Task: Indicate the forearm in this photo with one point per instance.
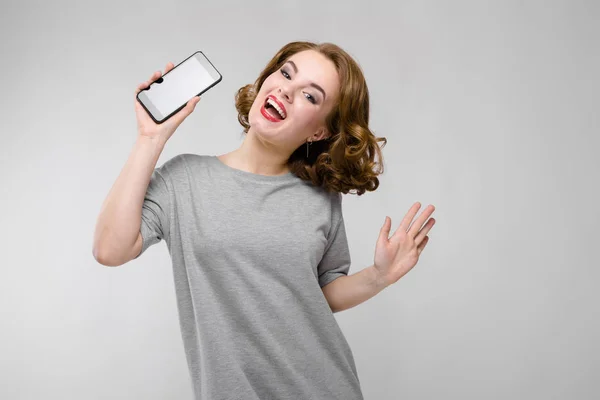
(349, 291)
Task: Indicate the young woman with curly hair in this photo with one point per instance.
(256, 236)
(330, 118)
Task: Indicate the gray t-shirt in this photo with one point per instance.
(250, 254)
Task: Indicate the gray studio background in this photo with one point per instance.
(491, 114)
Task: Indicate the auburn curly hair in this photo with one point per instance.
(345, 161)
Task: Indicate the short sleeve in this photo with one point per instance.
(336, 259)
(157, 205)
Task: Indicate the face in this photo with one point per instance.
(294, 101)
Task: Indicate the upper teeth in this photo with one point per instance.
(279, 110)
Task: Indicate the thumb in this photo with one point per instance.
(192, 104)
(187, 110)
(385, 229)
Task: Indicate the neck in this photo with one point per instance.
(258, 158)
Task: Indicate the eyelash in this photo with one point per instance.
(312, 99)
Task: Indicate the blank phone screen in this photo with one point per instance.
(193, 76)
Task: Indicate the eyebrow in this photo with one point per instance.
(312, 83)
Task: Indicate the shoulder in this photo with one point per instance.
(336, 207)
(319, 196)
(181, 164)
(335, 200)
(331, 203)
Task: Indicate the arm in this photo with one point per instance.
(117, 232)
(349, 291)
(394, 257)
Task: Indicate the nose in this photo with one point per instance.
(284, 92)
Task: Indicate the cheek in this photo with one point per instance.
(265, 88)
(267, 85)
(258, 101)
(309, 115)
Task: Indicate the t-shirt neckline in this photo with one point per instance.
(287, 177)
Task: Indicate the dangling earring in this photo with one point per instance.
(307, 144)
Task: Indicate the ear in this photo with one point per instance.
(321, 134)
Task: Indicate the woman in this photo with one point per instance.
(257, 237)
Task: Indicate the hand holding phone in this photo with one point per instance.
(167, 98)
(146, 125)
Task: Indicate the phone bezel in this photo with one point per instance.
(184, 104)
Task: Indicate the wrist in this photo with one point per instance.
(377, 279)
(146, 143)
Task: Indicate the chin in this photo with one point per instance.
(259, 123)
(256, 124)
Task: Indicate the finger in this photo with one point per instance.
(141, 87)
(144, 85)
(423, 232)
(187, 110)
(189, 107)
(416, 226)
(154, 77)
(422, 245)
(408, 218)
(384, 233)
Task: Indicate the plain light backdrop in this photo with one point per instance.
(491, 111)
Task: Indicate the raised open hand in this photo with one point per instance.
(396, 255)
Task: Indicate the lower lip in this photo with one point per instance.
(268, 116)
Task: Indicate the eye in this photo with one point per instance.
(311, 99)
(308, 96)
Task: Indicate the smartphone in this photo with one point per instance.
(171, 92)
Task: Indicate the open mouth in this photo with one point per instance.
(273, 110)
